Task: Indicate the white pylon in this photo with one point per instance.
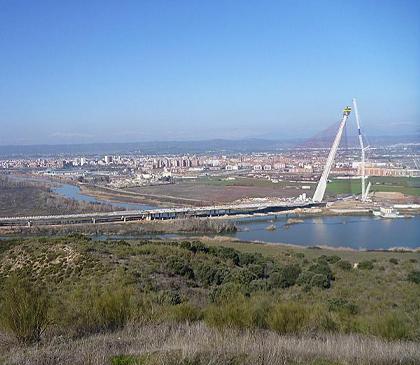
(322, 184)
(362, 147)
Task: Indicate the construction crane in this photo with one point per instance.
(365, 191)
(322, 184)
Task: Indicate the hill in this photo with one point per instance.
(74, 300)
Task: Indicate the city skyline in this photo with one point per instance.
(133, 72)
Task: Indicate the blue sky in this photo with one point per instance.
(116, 71)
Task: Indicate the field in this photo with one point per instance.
(200, 302)
(217, 189)
(209, 190)
(405, 185)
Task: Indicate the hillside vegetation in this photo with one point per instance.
(75, 300)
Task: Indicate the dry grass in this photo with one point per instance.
(209, 346)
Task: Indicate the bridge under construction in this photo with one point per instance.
(200, 212)
(155, 214)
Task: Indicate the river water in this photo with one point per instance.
(359, 232)
(73, 192)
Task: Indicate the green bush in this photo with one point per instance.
(210, 274)
(179, 266)
(185, 312)
(320, 320)
(244, 276)
(225, 293)
(94, 309)
(320, 281)
(328, 259)
(169, 297)
(344, 265)
(288, 318)
(258, 270)
(323, 269)
(365, 265)
(239, 312)
(233, 314)
(246, 258)
(414, 277)
(194, 247)
(342, 305)
(393, 260)
(286, 277)
(225, 253)
(318, 275)
(24, 310)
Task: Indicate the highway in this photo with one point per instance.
(152, 214)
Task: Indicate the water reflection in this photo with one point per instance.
(73, 192)
(350, 231)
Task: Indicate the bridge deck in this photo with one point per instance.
(162, 213)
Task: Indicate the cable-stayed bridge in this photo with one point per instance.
(207, 211)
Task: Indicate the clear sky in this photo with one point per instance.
(114, 71)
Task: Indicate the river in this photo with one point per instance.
(358, 232)
(73, 192)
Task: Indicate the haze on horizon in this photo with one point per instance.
(128, 71)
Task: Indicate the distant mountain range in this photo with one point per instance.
(197, 147)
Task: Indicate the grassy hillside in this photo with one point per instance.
(76, 296)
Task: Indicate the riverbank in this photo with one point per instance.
(22, 197)
(134, 229)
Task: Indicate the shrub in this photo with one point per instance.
(170, 297)
(210, 274)
(393, 260)
(305, 278)
(344, 265)
(393, 327)
(185, 312)
(246, 258)
(244, 276)
(232, 314)
(94, 309)
(287, 318)
(258, 270)
(414, 277)
(321, 321)
(322, 268)
(24, 310)
(286, 277)
(226, 253)
(365, 265)
(194, 247)
(180, 266)
(328, 259)
(225, 293)
(320, 281)
(299, 255)
(343, 305)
